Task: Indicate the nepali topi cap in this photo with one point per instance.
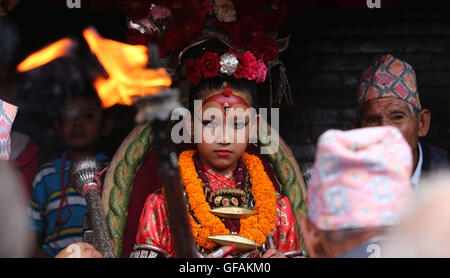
(389, 77)
(7, 115)
(361, 178)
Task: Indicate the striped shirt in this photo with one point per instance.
(44, 206)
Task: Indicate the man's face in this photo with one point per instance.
(393, 112)
(80, 124)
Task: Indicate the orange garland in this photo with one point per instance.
(256, 227)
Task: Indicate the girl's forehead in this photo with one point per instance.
(208, 108)
(245, 94)
(226, 99)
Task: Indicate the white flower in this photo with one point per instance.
(224, 10)
(229, 63)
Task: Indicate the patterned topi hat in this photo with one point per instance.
(361, 178)
(389, 77)
(7, 115)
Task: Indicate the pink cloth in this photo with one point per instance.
(389, 77)
(7, 115)
(361, 178)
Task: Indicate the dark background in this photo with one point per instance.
(329, 51)
(331, 45)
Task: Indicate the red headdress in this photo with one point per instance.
(248, 28)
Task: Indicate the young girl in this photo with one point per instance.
(218, 172)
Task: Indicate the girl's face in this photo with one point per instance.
(223, 127)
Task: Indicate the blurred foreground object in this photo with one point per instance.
(46, 55)
(360, 182)
(7, 114)
(15, 238)
(79, 250)
(425, 228)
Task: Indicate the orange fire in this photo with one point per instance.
(126, 67)
(46, 55)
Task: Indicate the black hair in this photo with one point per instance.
(90, 93)
(211, 84)
(9, 42)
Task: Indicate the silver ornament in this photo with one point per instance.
(229, 63)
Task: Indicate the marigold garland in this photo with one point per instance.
(256, 227)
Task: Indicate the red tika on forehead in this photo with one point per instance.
(227, 98)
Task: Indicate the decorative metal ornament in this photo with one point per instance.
(143, 26)
(148, 251)
(229, 63)
(155, 23)
(83, 177)
(230, 197)
(218, 200)
(82, 174)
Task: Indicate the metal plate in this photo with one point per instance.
(233, 212)
(242, 243)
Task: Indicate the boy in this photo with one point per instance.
(56, 211)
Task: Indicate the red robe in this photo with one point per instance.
(154, 225)
(147, 181)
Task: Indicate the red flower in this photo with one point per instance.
(193, 73)
(169, 42)
(209, 64)
(184, 29)
(190, 30)
(278, 14)
(244, 8)
(204, 7)
(264, 47)
(249, 67)
(242, 33)
(246, 59)
(160, 12)
(260, 72)
(188, 7)
(259, 19)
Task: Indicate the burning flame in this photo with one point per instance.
(46, 55)
(126, 67)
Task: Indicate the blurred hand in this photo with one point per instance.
(79, 250)
(273, 253)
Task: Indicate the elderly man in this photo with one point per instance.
(360, 180)
(388, 95)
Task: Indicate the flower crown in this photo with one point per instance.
(230, 63)
(249, 27)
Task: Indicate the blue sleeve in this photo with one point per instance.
(35, 211)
